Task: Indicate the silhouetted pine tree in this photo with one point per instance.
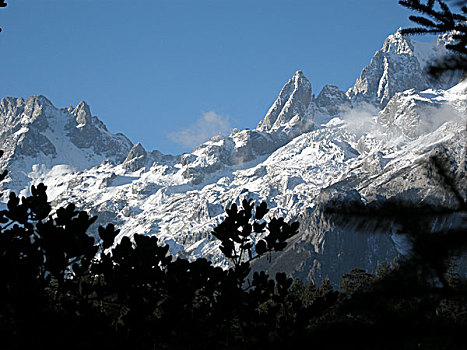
(415, 304)
(438, 18)
(59, 288)
(2, 4)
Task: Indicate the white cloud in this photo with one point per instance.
(435, 116)
(208, 125)
(360, 119)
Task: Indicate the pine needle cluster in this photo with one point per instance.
(437, 18)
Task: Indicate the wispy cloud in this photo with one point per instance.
(435, 116)
(208, 125)
(360, 119)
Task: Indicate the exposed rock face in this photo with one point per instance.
(35, 132)
(23, 122)
(250, 144)
(413, 117)
(326, 250)
(333, 100)
(292, 110)
(290, 115)
(159, 157)
(136, 158)
(289, 161)
(87, 131)
(396, 67)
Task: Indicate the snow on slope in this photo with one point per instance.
(161, 200)
(398, 66)
(302, 151)
(36, 137)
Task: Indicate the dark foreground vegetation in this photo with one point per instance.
(436, 17)
(59, 288)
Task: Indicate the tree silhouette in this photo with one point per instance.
(238, 233)
(2, 4)
(415, 301)
(61, 286)
(57, 283)
(440, 19)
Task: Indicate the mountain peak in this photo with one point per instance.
(41, 99)
(299, 74)
(398, 44)
(136, 158)
(82, 113)
(291, 108)
(35, 132)
(332, 99)
(394, 68)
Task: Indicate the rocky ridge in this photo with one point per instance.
(304, 152)
(36, 137)
(398, 66)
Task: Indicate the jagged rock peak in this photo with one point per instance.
(394, 68)
(332, 99)
(398, 66)
(137, 151)
(31, 100)
(398, 44)
(37, 100)
(299, 77)
(136, 158)
(291, 107)
(82, 113)
(29, 104)
(20, 111)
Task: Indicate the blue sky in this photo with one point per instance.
(167, 73)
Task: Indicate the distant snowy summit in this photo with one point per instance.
(398, 66)
(368, 143)
(292, 112)
(35, 132)
(37, 135)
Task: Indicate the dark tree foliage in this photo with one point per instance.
(239, 230)
(421, 301)
(437, 18)
(2, 4)
(60, 288)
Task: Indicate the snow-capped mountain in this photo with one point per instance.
(37, 137)
(304, 152)
(292, 112)
(398, 66)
